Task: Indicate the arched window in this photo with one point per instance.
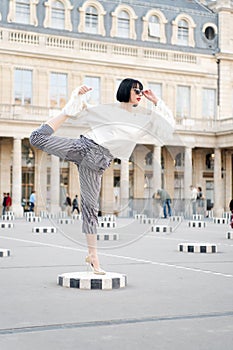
(23, 11)
(154, 26)
(183, 31)
(149, 158)
(179, 160)
(123, 22)
(209, 161)
(92, 18)
(57, 14)
(123, 25)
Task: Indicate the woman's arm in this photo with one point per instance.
(160, 106)
(72, 109)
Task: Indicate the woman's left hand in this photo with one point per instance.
(149, 94)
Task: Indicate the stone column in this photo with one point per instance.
(218, 190)
(41, 181)
(139, 171)
(156, 169)
(55, 185)
(124, 187)
(5, 165)
(188, 172)
(17, 178)
(228, 180)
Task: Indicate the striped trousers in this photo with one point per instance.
(91, 160)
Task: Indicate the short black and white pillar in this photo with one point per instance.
(220, 220)
(44, 230)
(107, 236)
(161, 228)
(229, 235)
(89, 280)
(6, 225)
(4, 252)
(197, 224)
(197, 248)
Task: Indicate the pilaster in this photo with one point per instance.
(17, 178)
(55, 185)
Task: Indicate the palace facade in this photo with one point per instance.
(182, 49)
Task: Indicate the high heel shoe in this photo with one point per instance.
(95, 270)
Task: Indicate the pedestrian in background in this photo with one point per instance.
(231, 209)
(75, 204)
(165, 202)
(32, 201)
(4, 203)
(68, 204)
(8, 202)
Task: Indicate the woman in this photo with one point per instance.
(113, 131)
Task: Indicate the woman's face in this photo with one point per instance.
(135, 95)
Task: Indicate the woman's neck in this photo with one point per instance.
(127, 106)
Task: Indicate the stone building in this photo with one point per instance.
(181, 49)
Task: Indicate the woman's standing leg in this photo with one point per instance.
(90, 183)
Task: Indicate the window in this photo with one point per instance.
(209, 103)
(23, 11)
(58, 90)
(183, 102)
(209, 194)
(178, 186)
(179, 160)
(210, 31)
(94, 96)
(23, 87)
(183, 33)
(123, 22)
(209, 161)
(123, 25)
(157, 89)
(183, 30)
(149, 158)
(154, 26)
(58, 15)
(91, 20)
(117, 84)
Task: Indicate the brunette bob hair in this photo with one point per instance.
(123, 92)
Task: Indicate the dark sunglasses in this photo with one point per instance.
(137, 91)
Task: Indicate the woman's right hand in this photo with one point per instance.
(84, 89)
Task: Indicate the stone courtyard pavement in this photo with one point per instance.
(173, 300)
